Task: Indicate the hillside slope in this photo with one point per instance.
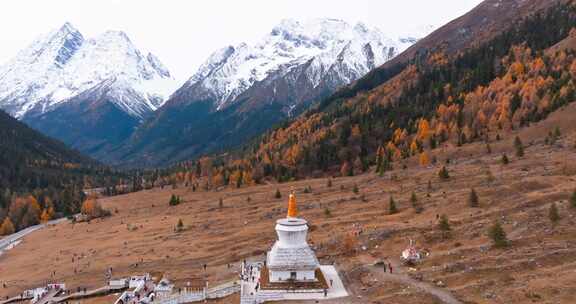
(439, 100)
(18, 140)
(538, 265)
(40, 174)
(481, 24)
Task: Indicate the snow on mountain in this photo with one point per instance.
(63, 64)
(332, 47)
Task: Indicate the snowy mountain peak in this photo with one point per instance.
(68, 27)
(321, 47)
(63, 64)
(158, 65)
(115, 39)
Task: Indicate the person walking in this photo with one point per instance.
(390, 267)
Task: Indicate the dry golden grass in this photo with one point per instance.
(539, 265)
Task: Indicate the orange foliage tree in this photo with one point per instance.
(424, 159)
(7, 227)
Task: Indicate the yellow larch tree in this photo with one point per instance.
(424, 159)
(7, 227)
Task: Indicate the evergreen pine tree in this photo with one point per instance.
(327, 212)
(553, 213)
(498, 235)
(386, 165)
(415, 204)
(519, 147)
(392, 206)
(413, 198)
(473, 198)
(180, 225)
(504, 160)
(444, 223)
(173, 200)
(278, 194)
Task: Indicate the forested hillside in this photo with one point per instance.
(40, 178)
(438, 99)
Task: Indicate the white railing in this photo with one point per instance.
(217, 292)
(183, 297)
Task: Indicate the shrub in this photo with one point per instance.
(278, 194)
(573, 199)
(444, 223)
(443, 173)
(327, 212)
(355, 189)
(498, 235)
(329, 183)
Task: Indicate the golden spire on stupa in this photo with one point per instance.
(292, 209)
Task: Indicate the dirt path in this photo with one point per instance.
(440, 294)
(6, 241)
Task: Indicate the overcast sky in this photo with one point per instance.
(183, 33)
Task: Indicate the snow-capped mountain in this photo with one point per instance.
(243, 90)
(328, 47)
(63, 64)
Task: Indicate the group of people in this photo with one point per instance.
(249, 275)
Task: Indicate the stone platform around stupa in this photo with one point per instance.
(329, 274)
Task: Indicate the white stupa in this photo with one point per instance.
(291, 259)
(291, 270)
